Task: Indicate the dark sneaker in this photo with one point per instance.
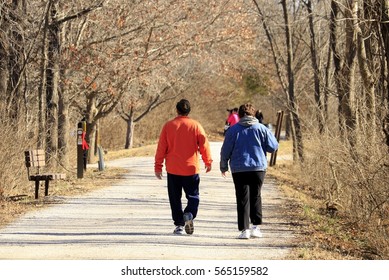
(189, 227)
(179, 230)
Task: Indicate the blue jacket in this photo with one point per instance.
(245, 146)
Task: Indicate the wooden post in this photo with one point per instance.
(280, 116)
(36, 189)
(47, 187)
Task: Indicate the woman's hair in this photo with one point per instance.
(259, 116)
(246, 110)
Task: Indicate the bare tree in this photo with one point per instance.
(12, 55)
(385, 38)
(128, 114)
(367, 47)
(149, 48)
(288, 82)
(345, 67)
(54, 123)
(315, 66)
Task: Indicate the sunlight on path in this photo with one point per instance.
(131, 220)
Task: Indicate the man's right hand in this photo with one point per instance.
(158, 175)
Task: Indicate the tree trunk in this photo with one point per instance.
(347, 86)
(43, 82)
(130, 131)
(91, 112)
(52, 78)
(315, 67)
(365, 67)
(3, 70)
(345, 70)
(4, 27)
(327, 83)
(296, 126)
(11, 57)
(15, 60)
(91, 138)
(385, 39)
(63, 129)
(63, 119)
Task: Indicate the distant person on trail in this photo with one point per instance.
(259, 116)
(232, 119)
(244, 148)
(226, 124)
(180, 143)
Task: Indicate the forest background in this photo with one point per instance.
(122, 65)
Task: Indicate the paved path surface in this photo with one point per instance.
(131, 220)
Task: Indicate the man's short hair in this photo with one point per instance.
(183, 107)
(246, 110)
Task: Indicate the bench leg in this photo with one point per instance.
(47, 187)
(36, 189)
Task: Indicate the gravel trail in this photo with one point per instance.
(131, 220)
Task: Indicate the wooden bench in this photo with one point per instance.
(36, 159)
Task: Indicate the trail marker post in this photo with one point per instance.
(82, 147)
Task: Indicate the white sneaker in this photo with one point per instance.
(179, 230)
(245, 234)
(256, 232)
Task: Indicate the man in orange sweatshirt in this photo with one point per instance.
(180, 143)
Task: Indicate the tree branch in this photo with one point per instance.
(276, 56)
(79, 14)
(154, 104)
(116, 36)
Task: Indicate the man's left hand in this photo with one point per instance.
(158, 175)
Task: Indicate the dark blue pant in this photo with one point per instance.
(190, 185)
(248, 197)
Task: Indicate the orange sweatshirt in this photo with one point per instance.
(180, 142)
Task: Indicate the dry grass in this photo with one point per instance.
(148, 150)
(320, 235)
(323, 234)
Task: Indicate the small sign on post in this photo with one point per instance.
(280, 116)
(80, 152)
(82, 148)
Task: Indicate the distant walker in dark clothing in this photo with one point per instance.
(259, 116)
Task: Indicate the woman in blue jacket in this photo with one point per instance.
(244, 148)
